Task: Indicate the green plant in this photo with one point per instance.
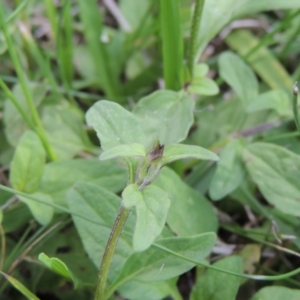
(191, 188)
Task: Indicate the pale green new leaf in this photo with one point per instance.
(20, 287)
(215, 285)
(130, 150)
(239, 76)
(114, 125)
(230, 171)
(277, 100)
(276, 171)
(180, 151)
(152, 205)
(166, 116)
(276, 293)
(58, 266)
(28, 162)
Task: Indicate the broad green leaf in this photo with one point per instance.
(20, 287)
(150, 290)
(166, 116)
(181, 151)
(152, 205)
(204, 86)
(58, 266)
(59, 176)
(42, 213)
(230, 171)
(114, 125)
(16, 217)
(101, 205)
(156, 264)
(185, 201)
(276, 293)
(130, 150)
(276, 171)
(65, 130)
(216, 14)
(239, 76)
(263, 61)
(15, 126)
(277, 100)
(215, 285)
(28, 162)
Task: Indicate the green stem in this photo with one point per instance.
(36, 119)
(109, 251)
(195, 29)
(295, 106)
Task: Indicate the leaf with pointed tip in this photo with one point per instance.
(131, 150)
(58, 266)
(240, 77)
(152, 205)
(157, 264)
(114, 125)
(180, 151)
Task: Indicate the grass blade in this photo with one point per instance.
(20, 287)
(92, 23)
(172, 44)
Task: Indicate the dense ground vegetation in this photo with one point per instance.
(149, 149)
